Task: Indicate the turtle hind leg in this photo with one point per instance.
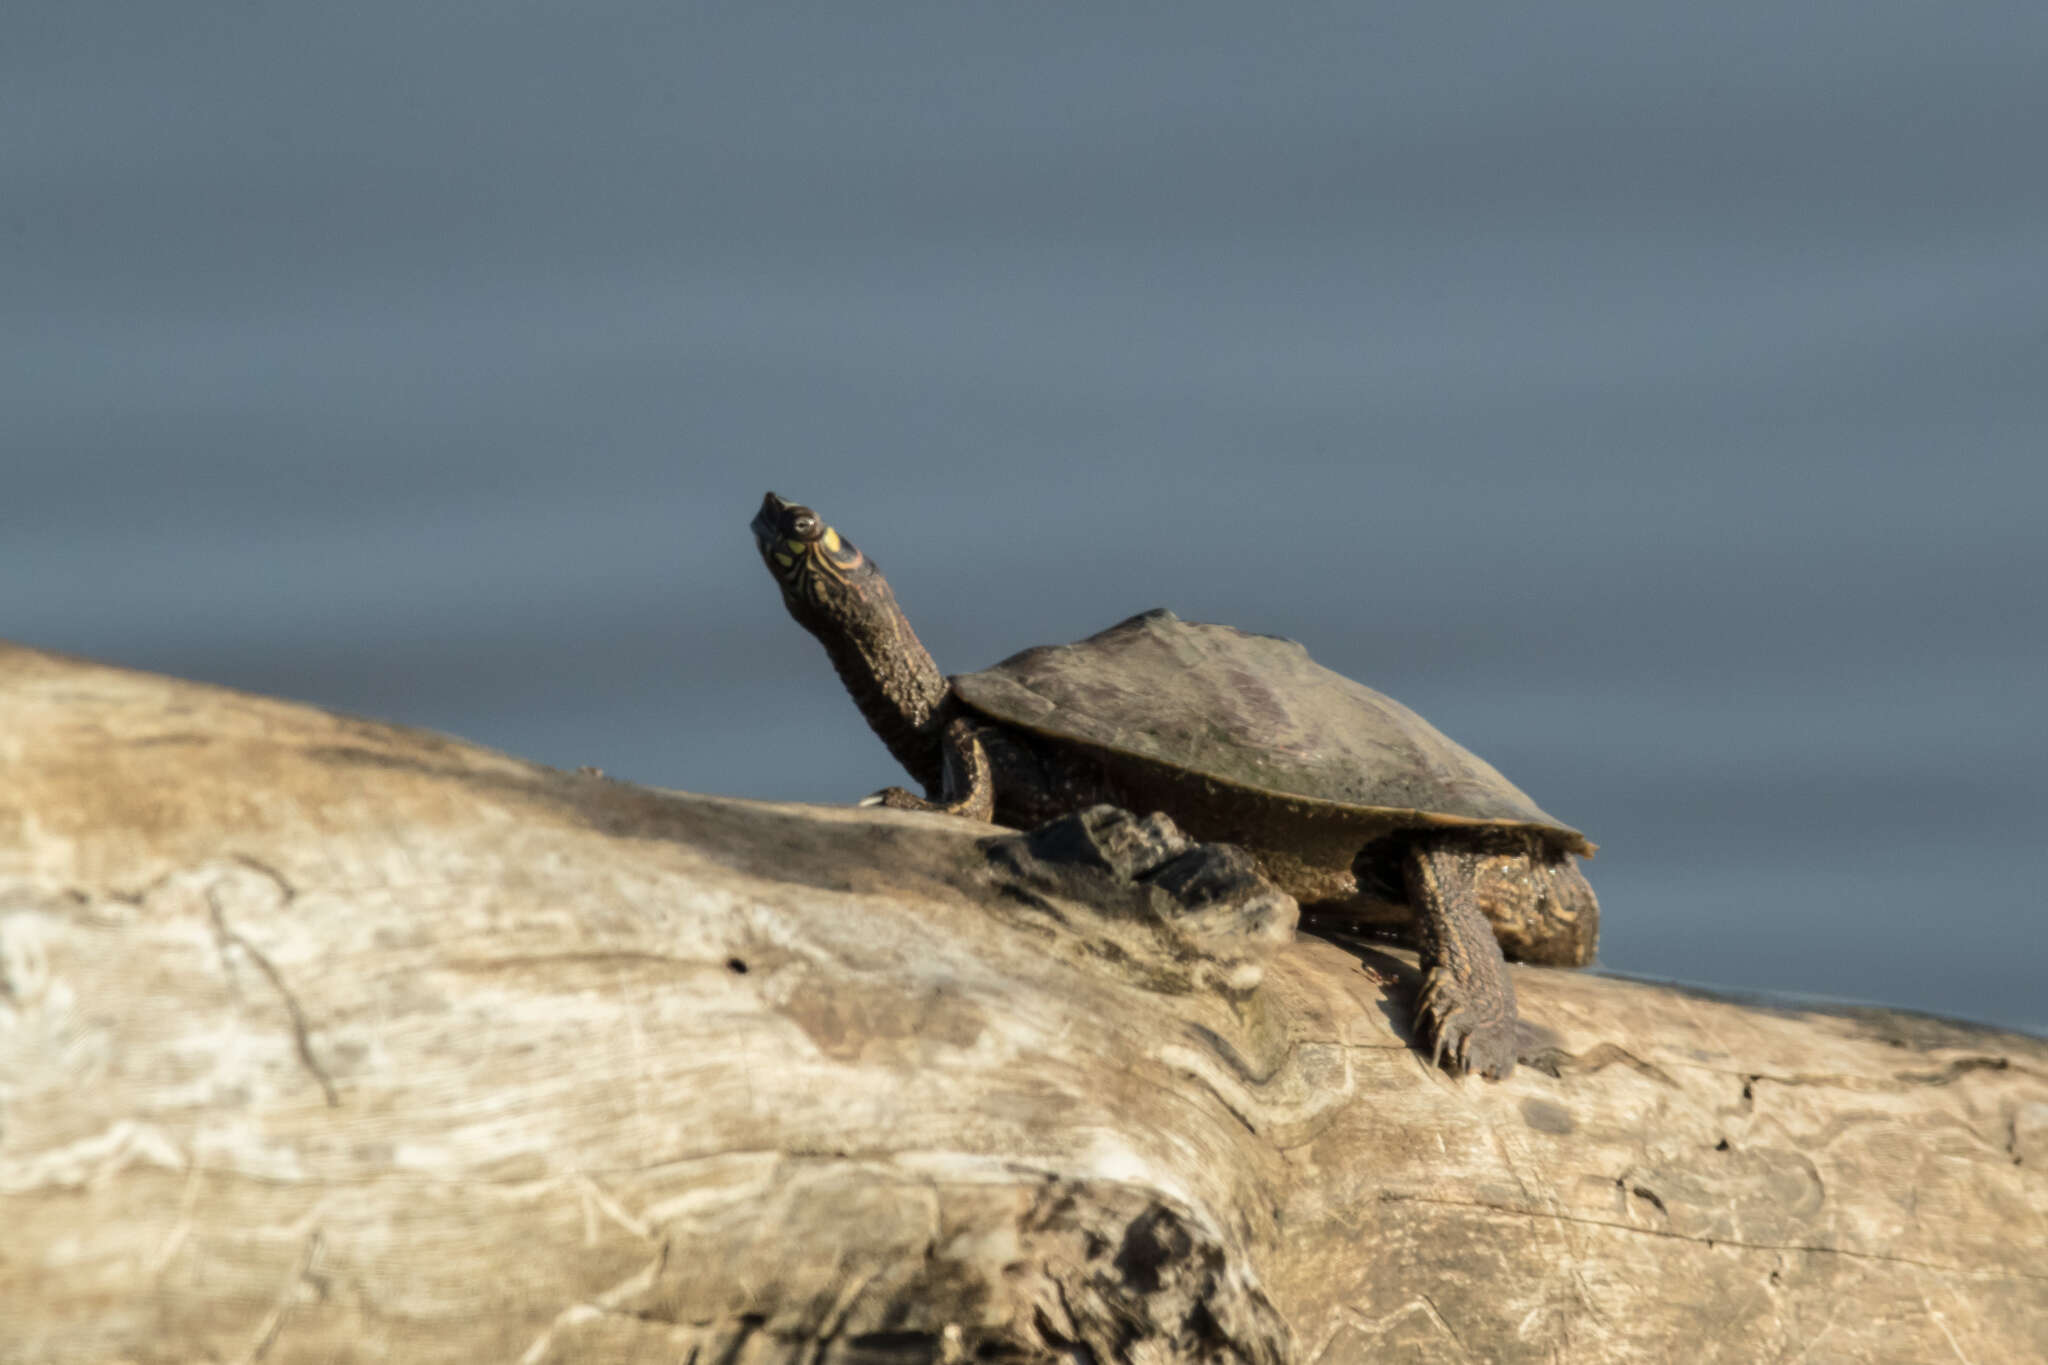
(968, 783)
(1542, 907)
(1467, 1004)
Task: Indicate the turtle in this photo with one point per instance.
(1345, 798)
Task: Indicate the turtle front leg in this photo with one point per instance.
(968, 782)
(1467, 1003)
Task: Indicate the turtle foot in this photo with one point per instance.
(1210, 897)
(969, 786)
(1465, 1033)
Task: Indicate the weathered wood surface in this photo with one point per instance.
(327, 1040)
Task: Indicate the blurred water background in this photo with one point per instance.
(1655, 398)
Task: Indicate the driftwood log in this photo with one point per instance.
(329, 1040)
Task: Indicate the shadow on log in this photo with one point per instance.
(329, 1040)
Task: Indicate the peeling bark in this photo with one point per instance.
(329, 1040)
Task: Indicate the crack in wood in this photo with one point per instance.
(1405, 1197)
(1899, 1081)
(272, 1326)
(604, 1304)
(1604, 1055)
(1445, 1323)
(1376, 1329)
(301, 1036)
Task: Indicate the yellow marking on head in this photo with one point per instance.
(831, 539)
(793, 546)
(784, 560)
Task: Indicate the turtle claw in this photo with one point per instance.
(1462, 1038)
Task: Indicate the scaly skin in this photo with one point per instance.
(1467, 1005)
(1463, 884)
(839, 596)
(967, 784)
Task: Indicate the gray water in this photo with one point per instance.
(1654, 398)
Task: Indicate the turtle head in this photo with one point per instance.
(817, 567)
(838, 595)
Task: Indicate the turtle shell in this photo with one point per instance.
(1256, 713)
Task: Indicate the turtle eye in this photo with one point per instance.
(805, 525)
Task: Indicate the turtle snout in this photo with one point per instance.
(767, 523)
